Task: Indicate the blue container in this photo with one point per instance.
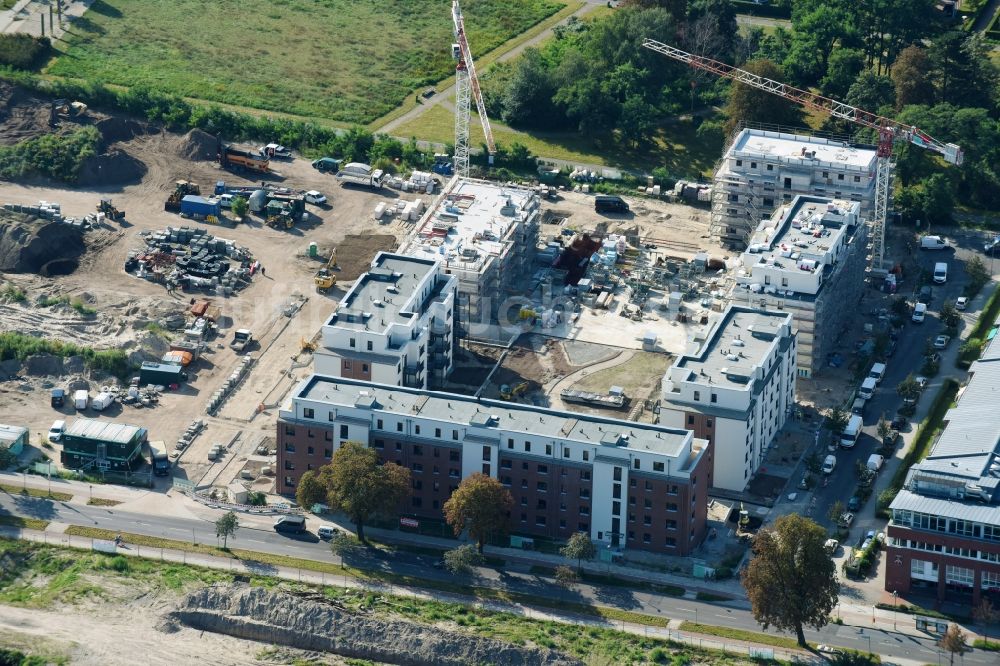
(195, 205)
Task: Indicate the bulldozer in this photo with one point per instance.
(507, 392)
(325, 279)
(182, 188)
(109, 210)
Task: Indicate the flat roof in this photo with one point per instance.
(106, 431)
(9, 433)
(987, 514)
(469, 223)
(738, 344)
(387, 293)
(788, 146)
(465, 410)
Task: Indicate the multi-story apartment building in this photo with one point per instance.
(762, 170)
(485, 235)
(627, 484)
(944, 535)
(736, 391)
(395, 325)
(808, 259)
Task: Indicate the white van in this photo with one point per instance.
(57, 430)
(226, 200)
(849, 437)
(102, 401)
(933, 243)
(867, 389)
(326, 531)
(81, 399)
(875, 462)
(829, 464)
(940, 272)
(877, 372)
(919, 312)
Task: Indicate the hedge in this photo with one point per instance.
(23, 51)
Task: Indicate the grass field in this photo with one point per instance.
(34, 492)
(339, 59)
(676, 147)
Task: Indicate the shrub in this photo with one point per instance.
(13, 294)
(23, 51)
(56, 156)
(111, 361)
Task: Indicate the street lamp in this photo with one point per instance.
(895, 595)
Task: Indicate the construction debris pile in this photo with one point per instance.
(192, 259)
(48, 210)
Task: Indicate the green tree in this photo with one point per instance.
(226, 527)
(240, 207)
(791, 582)
(579, 547)
(566, 577)
(978, 274)
(908, 389)
(311, 490)
(816, 34)
(986, 615)
(461, 560)
(636, 121)
(480, 505)
(871, 92)
(883, 429)
(954, 641)
(752, 105)
(343, 545)
(911, 77)
(837, 420)
(361, 487)
(970, 350)
(949, 316)
(836, 511)
(842, 71)
(962, 70)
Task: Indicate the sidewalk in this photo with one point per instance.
(671, 632)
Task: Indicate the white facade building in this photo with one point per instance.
(807, 259)
(736, 391)
(395, 326)
(763, 170)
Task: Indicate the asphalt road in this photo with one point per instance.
(730, 614)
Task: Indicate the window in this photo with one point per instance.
(770, 167)
(437, 432)
(308, 413)
(548, 449)
(672, 489)
(289, 465)
(646, 538)
(540, 505)
(671, 506)
(289, 481)
(826, 174)
(565, 453)
(739, 162)
(418, 450)
(631, 500)
(584, 510)
(637, 464)
(505, 480)
(840, 176)
(524, 517)
(510, 443)
(487, 453)
(708, 423)
(453, 473)
(327, 435)
(399, 446)
(585, 475)
(418, 484)
(378, 424)
(310, 450)
(584, 493)
(540, 521)
(327, 453)
(524, 465)
(399, 427)
(658, 467)
(543, 469)
(617, 473)
(671, 525)
(670, 542)
(857, 179)
(379, 444)
(486, 469)
(542, 486)
(310, 434)
(690, 420)
(353, 344)
(416, 430)
(453, 456)
(648, 485)
(647, 521)
(527, 447)
(505, 464)
(583, 527)
(697, 395)
(616, 491)
(417, 467)
(562, 524)
(416, 501)
(524, 483)
(753, 165)
(343, 432)
(524, 500)
(586, 456)
(364, 367)
(289, 430)
(454, 434)
(289, 448)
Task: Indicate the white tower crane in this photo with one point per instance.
(466, 87)
(889, 131)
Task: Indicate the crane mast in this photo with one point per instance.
(466, 88)
(889, 131)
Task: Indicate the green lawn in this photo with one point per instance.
(35, 492)
(675, 148)
(343, 60)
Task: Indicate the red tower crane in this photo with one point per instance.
(889, 130)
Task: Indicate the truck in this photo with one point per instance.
(197, 206)
(81, 399)
(158, 459)
(241, 340)
(273, 150)
(607, 400)
(875, 462)
(933, 243)
(102, 401)
(160, 374)
(361, 174)
(236, 159)
(849, 437)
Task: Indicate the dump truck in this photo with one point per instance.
(361, 174)
(108, 208)
(236, 159)
(241, 340)
(182, 188)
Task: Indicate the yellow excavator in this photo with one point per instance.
(325, 279)
(509, 393)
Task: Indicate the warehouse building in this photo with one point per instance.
(808, 259)
(763, 170)
(395, 325)
(944, 535)
(628, 485)
(736, 391)
(103, 445)
(485, 235)
(14, 437)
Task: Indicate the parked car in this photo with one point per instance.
(992, 246)
(921, 381)
(290, 524)
(941, 341)
(327, 165)
(962, 302)
(926, 294)
(315, 197)
(919, 313)
(854, 503)
(899, 422)
(57, 430)
(845, 519)
(58, 397)
(326, 531)
(830, 546)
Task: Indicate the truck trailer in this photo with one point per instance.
(361, 174)
(236, 159)
(161, 374)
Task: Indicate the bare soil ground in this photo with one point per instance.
(126, 304)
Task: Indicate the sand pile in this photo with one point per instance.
(32, 245)
(115, 167)
(199, 145)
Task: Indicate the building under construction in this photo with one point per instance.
(485, 235)
(763, 170)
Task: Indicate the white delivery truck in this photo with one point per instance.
(102, 401)
(849, 437)
(940, 272)
(933, 243)
(875, 462)
(361, 174)
(867, 389)
(81, 399)
(877, 372)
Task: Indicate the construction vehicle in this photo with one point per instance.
(509, 393)
(889, 132)
(241, 340)
(109, 210)
(307, 345)
(182, 188)
(357, 173)
(466, 87)
(64, 109)
(237, 160)
(325, 279)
